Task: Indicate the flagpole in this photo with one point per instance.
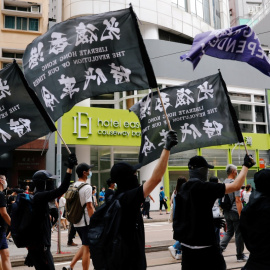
(167, 119)
(246, 147)
(63, 141)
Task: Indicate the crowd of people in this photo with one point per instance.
(195, 206)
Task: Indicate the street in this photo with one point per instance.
(158, 237)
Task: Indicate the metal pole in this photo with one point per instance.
(58, 183)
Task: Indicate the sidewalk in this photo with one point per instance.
(17, 254)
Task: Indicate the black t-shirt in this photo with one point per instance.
(108, 193)
(194, 212)
(41, 211)
(254, 226)
(3, 224)
(132, 229)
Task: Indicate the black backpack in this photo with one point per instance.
(22, 220)
(104, 237)
(226, 203)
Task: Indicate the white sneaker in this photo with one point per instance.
(172, 251)
(178, 256)
(242, 258)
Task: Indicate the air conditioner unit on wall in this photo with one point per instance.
(35, 9)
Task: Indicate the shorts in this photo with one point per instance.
(3, 241)
(162, 203)
(83, 232)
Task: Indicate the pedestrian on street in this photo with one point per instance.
(232, 218)
(102, 196)
(110, 191)
(131, 225)
(255, 223)
(39, 253)
(193, 222)
(216, 210)
(162, 201)
(146, 206)
(176, 249)
(85, 193)
(4, 221)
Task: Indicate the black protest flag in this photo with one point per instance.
(22, 117)
(87, 56)
(199, 111)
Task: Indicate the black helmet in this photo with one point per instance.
(43, 175)
(40, 177)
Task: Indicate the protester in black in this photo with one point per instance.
(193, 224)
(110, 191)
(255, 223)
(4, 221)
(132, 227)
(39, 253)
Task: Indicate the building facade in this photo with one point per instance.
(101, 131)
(20, 23)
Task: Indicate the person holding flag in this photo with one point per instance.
(193, 223)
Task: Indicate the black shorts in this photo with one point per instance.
(162, 203)
(83, 231)
(3, 241)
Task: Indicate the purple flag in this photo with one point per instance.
(236, 43)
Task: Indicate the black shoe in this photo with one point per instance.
(149, 218)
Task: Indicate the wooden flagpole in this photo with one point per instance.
(167, 118)
(63, 141)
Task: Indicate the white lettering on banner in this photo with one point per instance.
(154, 119)
(91, 59)
(93, 51)
(4, 89)
(145, 129)
(39, 79)
(68, 55)
(210, 111)
(49, 65)
(118, 54)
(53, 70)
(3, 115)
(233, 45)
(14, 108)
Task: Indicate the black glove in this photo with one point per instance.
(219, 222)
(171, 140)
(72, 161)
(248, 161)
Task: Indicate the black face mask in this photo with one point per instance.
(201, 173)
(127, 183)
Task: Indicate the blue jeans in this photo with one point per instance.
(233, 221)
(177, 246)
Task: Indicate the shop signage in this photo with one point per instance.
(97, 126)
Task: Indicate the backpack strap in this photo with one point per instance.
(79, 187)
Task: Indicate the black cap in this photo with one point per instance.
(43, 175)
(262, 180)
(198, 162)
(83, 167)
(123, 169)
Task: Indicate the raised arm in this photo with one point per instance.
(238, 182)
(160, 168)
